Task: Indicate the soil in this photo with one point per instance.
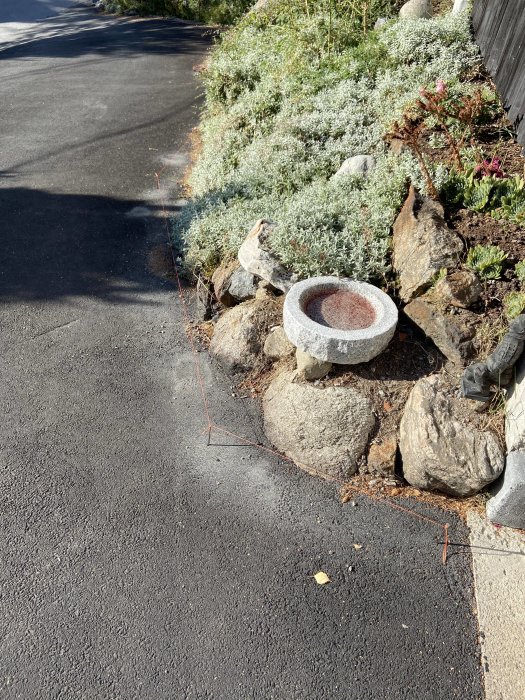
(379, 489)
(483, 229)
(494, 139)
(341, 309)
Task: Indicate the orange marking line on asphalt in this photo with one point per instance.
(211, 426)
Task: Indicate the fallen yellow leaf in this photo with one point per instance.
(358, 546)
(321, 578)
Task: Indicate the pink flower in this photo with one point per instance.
(441, 87)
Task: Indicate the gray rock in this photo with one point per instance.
(422, 244)
(309, 367)
(277, 345)
(256, 257)
(203, 302)
(380, 22)
(239, 334)
(243, 285)
(221, 279)
(459, 6)
(324, 431)
(452, 334)
(442, 452)
(357, 165)
(416, 9)
(515, 410)
(461, 289)
(346, 347)
(508, 505)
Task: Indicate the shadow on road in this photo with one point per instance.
(33, 10)
(75, 34)
(62, 245)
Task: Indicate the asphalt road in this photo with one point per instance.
(136, 562)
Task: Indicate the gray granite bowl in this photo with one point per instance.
(309, 330)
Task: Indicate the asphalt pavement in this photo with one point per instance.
(137, 562)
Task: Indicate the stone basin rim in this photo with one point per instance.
(302, 293)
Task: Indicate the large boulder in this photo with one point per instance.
(441, 447)
(323, 430)
(416, 9)
(422, 244)
(255, 257)
(239, 334)
(453, 334)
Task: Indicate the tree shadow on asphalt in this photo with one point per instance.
(56, 246)
(72, 35)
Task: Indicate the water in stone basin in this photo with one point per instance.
(341, 309)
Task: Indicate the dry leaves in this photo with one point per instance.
(321, 578)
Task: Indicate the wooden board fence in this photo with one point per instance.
(499, 28)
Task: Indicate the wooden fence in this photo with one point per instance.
(499, 28)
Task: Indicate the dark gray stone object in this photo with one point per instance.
(508, 505)
(478, 378)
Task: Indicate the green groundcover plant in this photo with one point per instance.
(514, 304)
(293, 91)
(487, 261)
(213, 11)
(493, 193)
(519, 269)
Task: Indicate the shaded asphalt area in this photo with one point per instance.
(137, 563)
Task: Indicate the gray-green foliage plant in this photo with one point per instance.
(285, 105)
(486, 261)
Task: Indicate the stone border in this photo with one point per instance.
(332, 344)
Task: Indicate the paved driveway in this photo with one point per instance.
(137, 563)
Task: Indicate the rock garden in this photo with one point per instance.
(356, 224)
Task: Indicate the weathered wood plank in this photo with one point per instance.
(499, 28)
